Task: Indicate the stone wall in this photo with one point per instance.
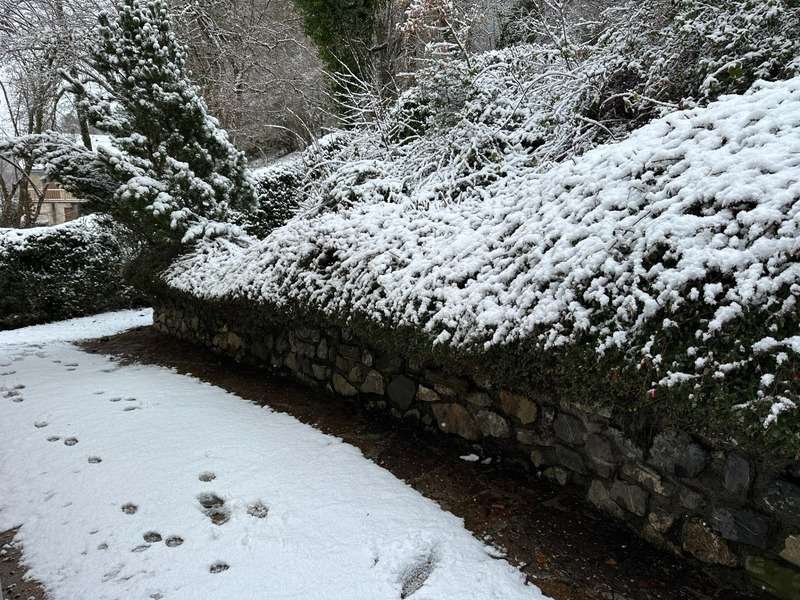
(716, 505)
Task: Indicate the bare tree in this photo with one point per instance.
(39, 39)
(258, 72)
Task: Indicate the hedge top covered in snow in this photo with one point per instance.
(89, 227)
(690, 222)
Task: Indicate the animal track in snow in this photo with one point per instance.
(129, 508)
(115, 399)
(152, 537)
(53, 438)
(173, 541)
(257, 510)
(207, 476)
(95, 460)
(141, 548)
(214, 508)
(13, 395)
(71, 441)
(131, 408)
(218, 567)
(416, 574)
(40, 424)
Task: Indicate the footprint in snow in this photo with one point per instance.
(53, 438)
(173, 541)
(71, 441)
(95, 460)
(218, 567)
(416, 574)
(141, 548)
(131, 408)
(115, 399)
(7, 373)
(71, 364)
(258, 510)
(214, 508)
(13, 394)
(40, 424)
(129, 508)
(207, 476)
(152, 537)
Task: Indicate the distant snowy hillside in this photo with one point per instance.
(686, 230)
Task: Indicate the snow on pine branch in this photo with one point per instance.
(692, 222)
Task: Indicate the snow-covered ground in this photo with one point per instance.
(135, 482)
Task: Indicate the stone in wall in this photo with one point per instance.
(738, 475)
(492, 425)
(782, 498)
(702, 543)
(426, 394)
(570, 429)
(401, 391)
(454, 418)
(373, 383)
(519, 407)
(631, 497)
(599, 495)
(744, 526)
(343, 387)
(677, 454)
(791, 549)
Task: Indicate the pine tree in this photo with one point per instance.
(177, 172)
(148, 103)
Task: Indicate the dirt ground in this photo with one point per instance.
(12, 583)
(561, 543)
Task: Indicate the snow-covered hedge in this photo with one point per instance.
(290, 185)
(675, 250)
(463, 125)
(278, 187)
(53, 273)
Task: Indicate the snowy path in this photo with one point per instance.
(136, 482)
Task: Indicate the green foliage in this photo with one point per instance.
(64, 272)
(278, 197)
(342, 29)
